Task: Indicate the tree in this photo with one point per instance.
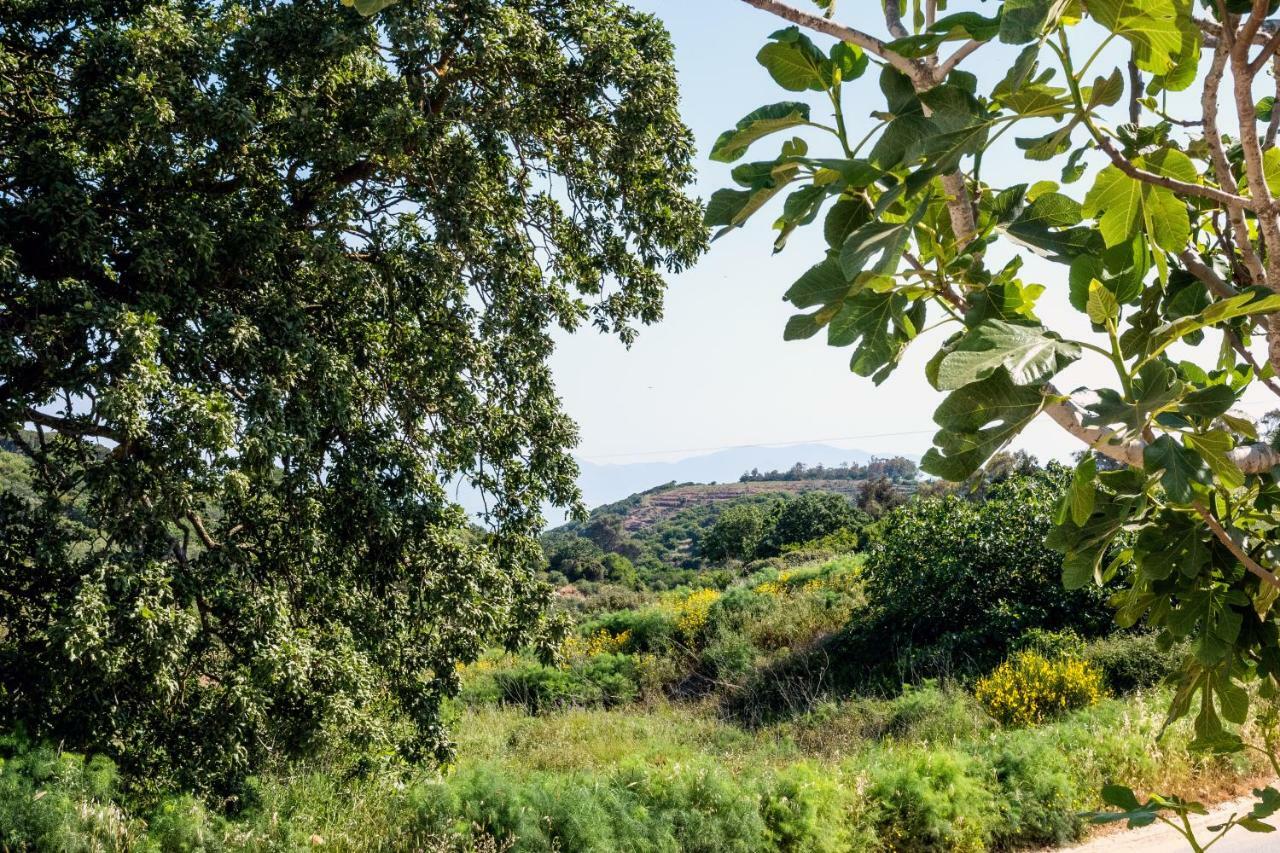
(810, 516)
(1171, 242)
(736, 533)
(275, 278)
(878, 496)
(608, 532)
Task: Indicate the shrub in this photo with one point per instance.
(605, 679)
(1029, 688)
(1131, 661)
(700, 805)
(53, 800)
(651, 629)
(1037, 793)
(692, 612)
(806, 811)
(932, 802)
(972, 577)
(1051, 644)
(812, 515)
(736, 533)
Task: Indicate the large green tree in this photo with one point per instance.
(275, 280)
(1168, 248)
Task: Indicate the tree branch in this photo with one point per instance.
(1251, 458)
(79, 427)
(893, 20)
(1240, 554)
(1121, 163)
(949, 64)
(1222, 168)
(1211, 280)
(867, 42)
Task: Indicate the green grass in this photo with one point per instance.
(925, 771)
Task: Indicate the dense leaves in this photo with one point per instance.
(1166, 248)
(276, 279)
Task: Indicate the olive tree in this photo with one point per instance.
(276, 280)
(1159, 202)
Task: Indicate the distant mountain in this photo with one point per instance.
(602, 484)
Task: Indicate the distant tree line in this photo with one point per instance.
(899, 469)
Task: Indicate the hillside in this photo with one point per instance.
(658, 505)
(606, 483)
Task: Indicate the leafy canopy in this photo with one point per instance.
(276, 280)
(1163, 230)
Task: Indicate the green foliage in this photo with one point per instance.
(933, 802)
(272, 286)
(1132, 661)
(1163, 245)
(1038, 795)
(973, 577)
(51, 800)
(606, 679)
(804, 809)
(812, 515)
(736, 534)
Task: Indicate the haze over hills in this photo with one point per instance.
(604, 483)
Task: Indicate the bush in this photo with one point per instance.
(1131, 661)
(697, 808)
(812, 515)
(806, 811)
(1051, 644)
(932, 802)
(970, 578)
(53, 800)
(605, 679)
(736, 533)
(652, 629)
(1037, 793)
(1029, 688)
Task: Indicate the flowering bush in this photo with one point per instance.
(1028, 688)
(576, 648)
(692, 611)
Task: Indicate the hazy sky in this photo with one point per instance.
(716, 372)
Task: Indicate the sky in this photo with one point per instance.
(715, 371)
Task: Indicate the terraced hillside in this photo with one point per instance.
(660, 504)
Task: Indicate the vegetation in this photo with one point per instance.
(898, 469)
(1173, 243)
(273, 276)
(1028, 688)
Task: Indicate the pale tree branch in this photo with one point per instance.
(1251, 458)
(1211, 280)
(1267, 52)
(1234, 547)
(1221, 167)
(1213, 193)
(867, 42)
(1251, 29)
(893, 19)
(949, 64)
(1243, 352)
(959, 208)
(1274, 124)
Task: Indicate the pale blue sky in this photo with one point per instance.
(716, 372)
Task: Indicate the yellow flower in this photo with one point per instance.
(693, 610)
(1028, 688)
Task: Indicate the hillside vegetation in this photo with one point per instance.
(932, 689)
